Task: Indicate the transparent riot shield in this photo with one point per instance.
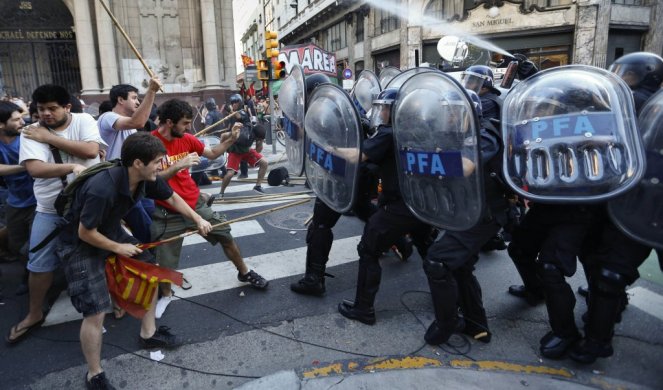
(387, 73)
(570, 136)
(639, 212)
(292, 100)
(333, 146)
(365, 90)
(400, 78)
(436, 138)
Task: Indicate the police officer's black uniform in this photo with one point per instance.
(450, 261)
(391, 221)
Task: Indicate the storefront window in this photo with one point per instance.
(547, 57)
(627, 2)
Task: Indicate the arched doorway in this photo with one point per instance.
(37, 46)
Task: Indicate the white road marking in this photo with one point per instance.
(647, 301)
(222, 276)
(238, 229)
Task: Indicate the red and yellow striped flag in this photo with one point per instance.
(133, 283)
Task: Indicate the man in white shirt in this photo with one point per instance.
(76, 138)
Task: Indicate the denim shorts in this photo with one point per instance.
(45, 259)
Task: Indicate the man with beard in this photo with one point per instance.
(21, 202)
(183, 151)
(54, 150)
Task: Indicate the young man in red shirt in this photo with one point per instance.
(184, 151)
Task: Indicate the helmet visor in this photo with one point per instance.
(380, 114)
(472, 81)
(632, 74)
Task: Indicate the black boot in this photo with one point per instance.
(560, 302)
(368, 283)
(319, 241)
(309, 285)
(404, 248)
(471, 305)
(532, 288)
(605, 303)
(444, 292)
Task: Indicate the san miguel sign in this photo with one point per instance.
(311, 57)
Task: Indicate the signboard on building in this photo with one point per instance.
(311, 57)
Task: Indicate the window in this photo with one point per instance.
(336, 37)
(446, 9)
(386, 21)
(359, 31)
(627, 2)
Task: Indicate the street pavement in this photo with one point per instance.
(275, 339)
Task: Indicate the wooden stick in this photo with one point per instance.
(206, 129)
(189, 233)
(267, 196)
(126, 37)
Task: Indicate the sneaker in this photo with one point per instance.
(98, 382)
(243, 176)
(162, 304)
(252, 277)
(258, 189)
(162, 338)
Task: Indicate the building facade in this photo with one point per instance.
(189, 44)
(375, 34)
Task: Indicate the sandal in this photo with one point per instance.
(25, 330)
(118, 312)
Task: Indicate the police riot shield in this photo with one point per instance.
(333, 146)
(365, 90)
(292, 99)
(570, 136)
(206, 164)
(400, 78)
(387, 73)
(436, 132)
(639, 212)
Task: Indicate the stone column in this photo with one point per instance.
(87, 53)
(210, 51)
(107, 49)
(601, 33)
(413, 43)
(654, 36)
(585, 33)
(369, 33)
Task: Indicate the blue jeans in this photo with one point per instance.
(138, 219)
(45, 259)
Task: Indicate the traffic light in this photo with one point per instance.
(278, 70)
(271, 44)
(263, 70)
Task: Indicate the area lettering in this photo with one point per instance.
(327, 161)
(593, 123)
(437, 164)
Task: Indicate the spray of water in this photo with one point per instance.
(417, 17)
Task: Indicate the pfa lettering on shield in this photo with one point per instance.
(328, 161)
(433, 164)
(564, 126)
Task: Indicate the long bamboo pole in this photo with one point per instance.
(285, 206)
(126, 37)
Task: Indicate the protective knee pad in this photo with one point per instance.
(551, 274)
(315, 233)
(436, 271)
(609, 283)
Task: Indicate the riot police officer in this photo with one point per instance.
(479, 78)
(450, 261)
(392, 219)
(612, 259)
(319, 236)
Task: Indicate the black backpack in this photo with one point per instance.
(66, 196)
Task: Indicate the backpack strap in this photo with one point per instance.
(58, 160)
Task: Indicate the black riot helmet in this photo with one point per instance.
(640, 70)
(478, 76)
(235, 98)
(381, 111)
(313, 81)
